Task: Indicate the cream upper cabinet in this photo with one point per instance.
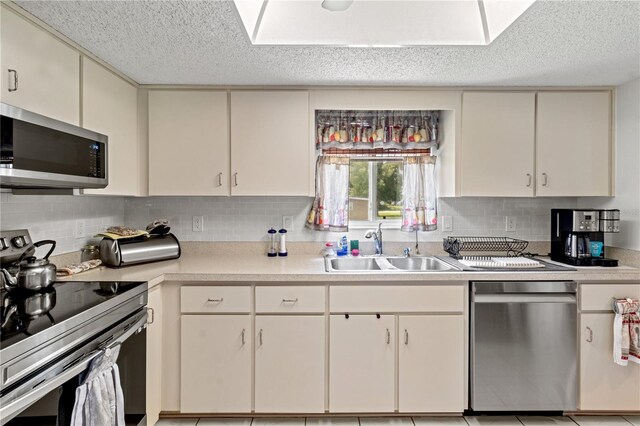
(188, 142)
(604, 385)
(154, 355)
(270, 143)
(362, 364)
(290, 364)
(497, 144)
(109, 106)
(573, 144)
(431, 363)
(215, 359)
(38, 72)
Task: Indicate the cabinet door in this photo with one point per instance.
(362, 360)
(289, 364)
(48, 70)
(431, 364)
(497, 144)
(215, 364)
(604, 385)
(110, 106)
(270, 144)
(188, 143)
(154, 356)
(573, 144)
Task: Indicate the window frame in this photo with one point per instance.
(373, 198)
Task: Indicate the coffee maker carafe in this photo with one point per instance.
(577, 238)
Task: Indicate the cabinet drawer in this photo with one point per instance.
(284, 299)
(402, 298)
(215, 299)
(597, 297)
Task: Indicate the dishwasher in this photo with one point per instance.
(523, 346)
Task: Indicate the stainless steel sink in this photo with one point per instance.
(386, 263)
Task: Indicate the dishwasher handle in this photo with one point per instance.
(526, 298)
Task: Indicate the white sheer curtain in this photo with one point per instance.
(330, 209)
(419, 194)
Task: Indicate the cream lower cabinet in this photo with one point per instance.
(215, 364)
(154, 355)
(290, 364)
(431, 363)
(38, 72)
(362, 364)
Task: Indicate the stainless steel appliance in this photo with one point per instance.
(49, 339)
(132, 251)
(38, 152)
(523, 346)
(577, 236)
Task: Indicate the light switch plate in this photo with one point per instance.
(197, 224)
(510, 224)
(447, 224)
(287, 222)
(81, 230)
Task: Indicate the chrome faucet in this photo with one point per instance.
(377, 237)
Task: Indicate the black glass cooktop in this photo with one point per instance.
(23, 314)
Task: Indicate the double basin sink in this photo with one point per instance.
(386, 263)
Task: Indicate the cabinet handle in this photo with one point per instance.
(590, 338)
(290, 300)
(242, 336)
(15, 80)
(260, 337)
(150, 316)
(235, 179)
(406, 336)
(388, 336)
(544, 179)
(220, 179)
(215, 300)
(529, 180)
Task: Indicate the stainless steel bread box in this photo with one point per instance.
(125, 252)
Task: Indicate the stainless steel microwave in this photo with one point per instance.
(40, 152)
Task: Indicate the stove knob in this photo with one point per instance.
(18, 241)
(4, 244)
(581, 227)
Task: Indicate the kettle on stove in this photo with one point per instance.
(29, 272)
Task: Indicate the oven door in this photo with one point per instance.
(50, 402)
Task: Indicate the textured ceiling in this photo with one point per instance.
(202, 42)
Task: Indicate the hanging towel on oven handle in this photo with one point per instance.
(99, 398)
(626, 331)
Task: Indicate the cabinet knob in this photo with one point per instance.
(15, 80)
(590, 336)
(544, 179)
(260, 337)
(242, 336)
(388, 336)
(406, 336)
(290, 300)
(529, 180)
(235, 179)
(215, 300)
(220, 179)
(150, 315)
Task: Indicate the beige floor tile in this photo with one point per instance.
(439, 421)
(177, 422)
(386, 421)
(493, 420)
(545, 420)
(332, 421)
(634, 420)
(600, 420)
(276, 421)
(225, 421)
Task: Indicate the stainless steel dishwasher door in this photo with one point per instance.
(523, 346)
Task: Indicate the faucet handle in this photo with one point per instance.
(406, 252)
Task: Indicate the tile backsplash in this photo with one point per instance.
(248, 218)
(55, 216)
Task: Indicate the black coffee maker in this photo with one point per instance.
(577, 236)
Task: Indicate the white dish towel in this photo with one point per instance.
(99, 399)
(626, 331)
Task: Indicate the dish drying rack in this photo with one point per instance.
(510, 247)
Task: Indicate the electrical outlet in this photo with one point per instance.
(287, 222)
(510, 224)
(197, 224)
(81, 231)
(447, 224)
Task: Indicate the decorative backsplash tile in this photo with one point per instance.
(249, 218)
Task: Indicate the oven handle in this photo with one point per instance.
(12, 409)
